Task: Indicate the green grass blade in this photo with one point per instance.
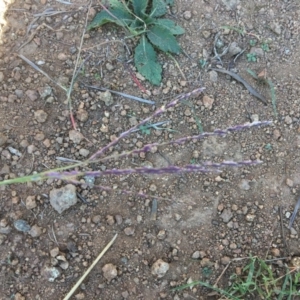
(273, 97)
(252, 73)
(207, 285)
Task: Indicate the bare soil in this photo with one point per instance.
(223, 216)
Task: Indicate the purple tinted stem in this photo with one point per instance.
(205, 168)
(155, 114)
(220, 132)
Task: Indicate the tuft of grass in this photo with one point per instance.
(143, 19)
(258, 280)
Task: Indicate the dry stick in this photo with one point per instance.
(237, 77)
(75, 287)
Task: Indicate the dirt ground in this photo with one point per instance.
(203, 221)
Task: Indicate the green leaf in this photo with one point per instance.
(139, 7)
(145, 61)
(163, 39)
(117, 14)
(169, 25)
(159, 8)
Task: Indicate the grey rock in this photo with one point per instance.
(75, 136)
(51, 273)
(30, 202)
(45, 91)
(63, 198)
(107, 98)
(226, 215)
(32, 95)
(129, 231)
(40, 116)
(187, 15)
(234, 49)
(22, 225)
(213, 76)
(84, 152)
(160, 268)
(109, 271)
(244, 185)
(275, 28)
(35, 231)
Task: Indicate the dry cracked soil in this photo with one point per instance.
(202, 221)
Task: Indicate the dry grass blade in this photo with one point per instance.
(78, 283)
(33, 65)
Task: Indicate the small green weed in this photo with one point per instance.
(257, 281)
(251, 57)
(143, 18)
(146, 128)
(202, 63)
(265, 47)
(252, 43)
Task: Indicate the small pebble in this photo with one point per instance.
(40, 116)
(208, 102)
(160, 268)
(51, 273)
(275, 252)
(109, 272)
(75, 136)
(196, 255)
(22, 225)
(289, 182)
(129, 230)
(226, 215)
(30, 202)
(187, 15)
(225, 260)
(35, 231)
(250, 218)
(213, 76)
(54, 252)
(110, 220)
(96, 219)
(288, 120)
(84, 152)
(119, 219)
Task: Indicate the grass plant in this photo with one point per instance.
(258, 280)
